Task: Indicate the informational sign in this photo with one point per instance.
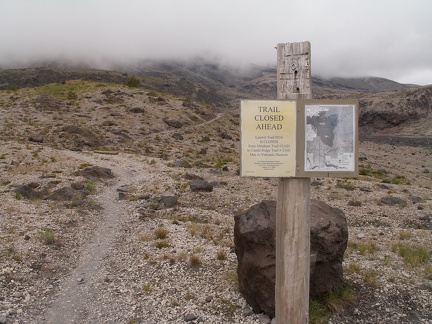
(304, 138)
(327, 138)
(268, 138)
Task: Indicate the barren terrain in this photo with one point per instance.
(122, 252)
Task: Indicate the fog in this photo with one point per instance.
(349, 38)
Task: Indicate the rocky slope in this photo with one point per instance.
(141, 246)
(386, 107)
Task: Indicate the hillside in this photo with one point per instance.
(387, 108)
(100, 221)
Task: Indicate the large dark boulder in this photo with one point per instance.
(255, 245)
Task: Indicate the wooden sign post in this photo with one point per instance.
(295, 138)
(293, 201)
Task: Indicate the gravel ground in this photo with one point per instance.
(133, 260)
(108, 266)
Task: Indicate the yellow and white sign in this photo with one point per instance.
(268, 138)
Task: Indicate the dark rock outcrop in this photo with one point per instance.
(28, 191)
(255, 245)
(36, 138)
(96, 172)
(392, 201)
(173, 122)
(67, 194)
(201, 185)
(137, 110)
(168, 200)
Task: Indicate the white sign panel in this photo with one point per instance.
(330, 137)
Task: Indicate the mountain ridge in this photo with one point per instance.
(387, 108)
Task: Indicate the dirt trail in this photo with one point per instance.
(77, 301)
(79, 295)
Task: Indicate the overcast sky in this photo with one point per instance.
(385, 38)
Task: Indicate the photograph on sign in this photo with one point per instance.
(268, 138)
(330, 137)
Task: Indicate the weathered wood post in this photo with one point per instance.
(293, 201)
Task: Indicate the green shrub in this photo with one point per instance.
(47, 236)
(364, 247)
(317, 313)
(345, 185)
(161, 244)
(400, 180)
(90, 186)
(133, 82)
(338, 301)
(413, 255)
(72, 95)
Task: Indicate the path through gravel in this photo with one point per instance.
(78, 300)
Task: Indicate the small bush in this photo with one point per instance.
(345, 185)
(232, 278)
(400, 180)
(353, 268)
(90, 186)
(161, 233)
(161, 244)
(182, 256)
(413, 255)
(147, 288)
(364, 247)
(195, 260)
(370, 277)
(317, 313)
(354, 203)
(47, 236)
(221, 255)
(72, 95)
(404, 234)
(84, 165)
(338, 301)
(133, 82)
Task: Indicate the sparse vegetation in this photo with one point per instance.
(72, 95)
(221, 255)
(354, 203)
(161, 233)
(162, 244)
(364, 247)
(47, 236)
(147, 288)
(413, 255)
(195, 260)
(339, 301)
(405, 234)
(317, 313)
(90, 186)
(370, 277)
(375, 173)
(133, 82)
(347, 185)
(400, 180)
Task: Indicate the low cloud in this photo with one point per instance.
(349, 37)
